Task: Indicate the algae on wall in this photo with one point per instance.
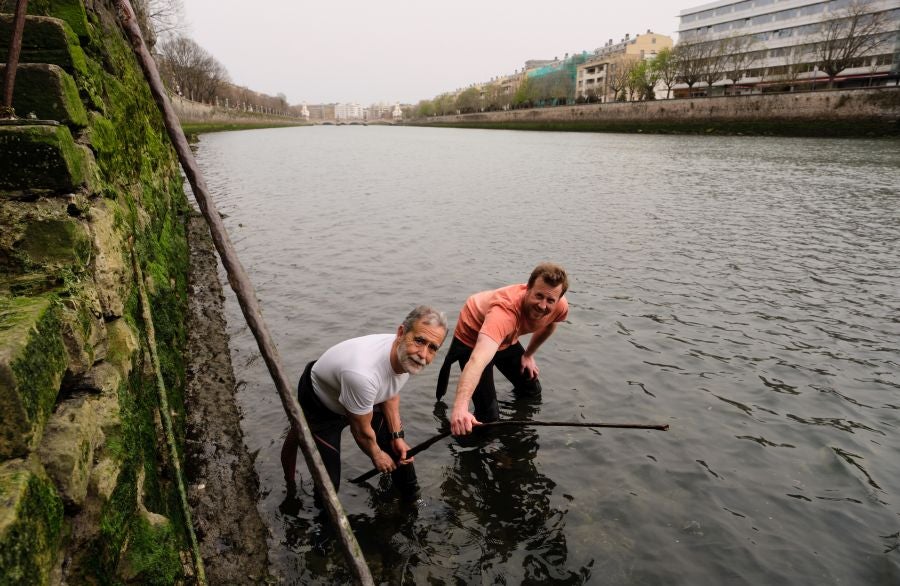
(83, 467)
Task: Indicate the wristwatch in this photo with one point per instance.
(397, 434)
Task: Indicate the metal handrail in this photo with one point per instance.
(12, 61)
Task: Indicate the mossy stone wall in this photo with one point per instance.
(86, 490)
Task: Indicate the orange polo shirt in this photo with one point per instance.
(498, 315)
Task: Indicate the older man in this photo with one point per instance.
(487, 335)
(357, 383)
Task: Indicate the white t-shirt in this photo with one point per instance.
(356, 374)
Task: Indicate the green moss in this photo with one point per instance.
(47, 92)
(30, 522)
(152, 554)
(40, 157)
(136, 166)
(57, 241)
(32, 362)
(45, 40)
(38, 369)
(71, 11)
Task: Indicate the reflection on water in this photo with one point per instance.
(742, 290)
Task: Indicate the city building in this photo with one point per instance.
(787, 43)
(321, 112)
(343, 112)
(595, 78)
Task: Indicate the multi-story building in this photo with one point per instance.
(348, 112)
(790, 42)
(321, 112)
(594, 75)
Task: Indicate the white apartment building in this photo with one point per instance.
(348, 112)
(779, 39)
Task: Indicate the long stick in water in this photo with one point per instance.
(515, 422)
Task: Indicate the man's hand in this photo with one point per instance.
(529, 367)
(400, 448)
(383, 462)
(462, 422)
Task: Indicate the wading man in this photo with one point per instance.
(487, 335)
(357, 383)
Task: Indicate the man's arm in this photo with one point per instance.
(391, 411)
(529, 366)
(361, 428)
(461, 421)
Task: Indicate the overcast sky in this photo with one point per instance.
(404, 50)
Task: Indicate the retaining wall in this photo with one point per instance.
(88, 181)
(857, 112)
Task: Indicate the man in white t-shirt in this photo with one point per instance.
(357, 383)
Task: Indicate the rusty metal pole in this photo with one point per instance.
(246, 295)
(12, 60)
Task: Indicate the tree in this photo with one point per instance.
(636, 81)
(688, 62)
(190, 70)
(666, 66)
(159, 19)
(739, 58)
(525, 94)
(713, 62)
(469, 100)
(618, 71)
(855, 32)
(424, 109)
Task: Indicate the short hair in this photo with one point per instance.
(552, 274)
(427, 315)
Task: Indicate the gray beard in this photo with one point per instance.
(406, 362)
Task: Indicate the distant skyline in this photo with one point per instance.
(365, 52)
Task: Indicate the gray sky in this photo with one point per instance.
(404, 50)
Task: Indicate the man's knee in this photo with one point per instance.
(528, 388)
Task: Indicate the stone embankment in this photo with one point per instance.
(856, 112)
(89, 186)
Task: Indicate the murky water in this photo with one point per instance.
(746, 291)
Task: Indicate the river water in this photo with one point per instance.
(742, 290)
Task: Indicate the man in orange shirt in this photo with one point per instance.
(487, 335)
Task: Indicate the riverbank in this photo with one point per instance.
(223, 485)
(197, 118)
(866, 112)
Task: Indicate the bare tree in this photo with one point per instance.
(713, 62)
(618, 73)
(688, 62)
(739, 58)
(854, 33)
(190, 70)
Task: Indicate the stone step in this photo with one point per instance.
(31, 516)
(47, 92)
(32, 364)
(44, 40)
(41, 156)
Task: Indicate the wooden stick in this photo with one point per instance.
(243, 289)
(515, 422)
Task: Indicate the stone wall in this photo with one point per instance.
(857, 112)
(87, 181)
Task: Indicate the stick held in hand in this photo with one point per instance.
(519, 423)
